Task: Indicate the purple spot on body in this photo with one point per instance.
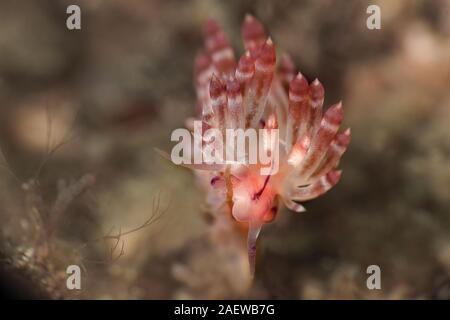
(214, 180)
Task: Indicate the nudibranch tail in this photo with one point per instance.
(254, 229)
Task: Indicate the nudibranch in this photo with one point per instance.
(254, 93)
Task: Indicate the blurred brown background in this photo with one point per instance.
(115, 89)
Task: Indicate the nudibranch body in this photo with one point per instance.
(252, 93)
